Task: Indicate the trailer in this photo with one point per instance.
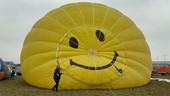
(163, 70)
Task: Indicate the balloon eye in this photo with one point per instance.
(100, 35)
(73, 42)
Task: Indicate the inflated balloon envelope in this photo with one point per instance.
(5, 71)
(96, 47)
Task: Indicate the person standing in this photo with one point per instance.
(12, 73)
(57, 75)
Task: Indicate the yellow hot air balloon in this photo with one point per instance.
(96, 47)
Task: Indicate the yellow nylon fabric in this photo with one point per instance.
(48, 45)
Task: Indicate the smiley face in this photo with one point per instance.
(73, 42)
(89, 50)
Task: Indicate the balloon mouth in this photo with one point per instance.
(99, 67)
(92, 52)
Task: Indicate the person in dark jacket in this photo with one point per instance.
(57, 75)
(12, 73)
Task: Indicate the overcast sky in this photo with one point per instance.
(18, 16)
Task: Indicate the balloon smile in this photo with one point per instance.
(100, 67)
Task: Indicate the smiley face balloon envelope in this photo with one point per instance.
(96, 47)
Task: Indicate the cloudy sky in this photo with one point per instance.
(18, 16)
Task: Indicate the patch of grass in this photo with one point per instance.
(161, 76)
(18, 87)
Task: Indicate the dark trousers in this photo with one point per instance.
(56, 85)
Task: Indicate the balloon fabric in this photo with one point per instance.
(5, 71)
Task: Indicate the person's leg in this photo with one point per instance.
(56, 86)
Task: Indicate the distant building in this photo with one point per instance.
(9, 63)
(161, 63)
